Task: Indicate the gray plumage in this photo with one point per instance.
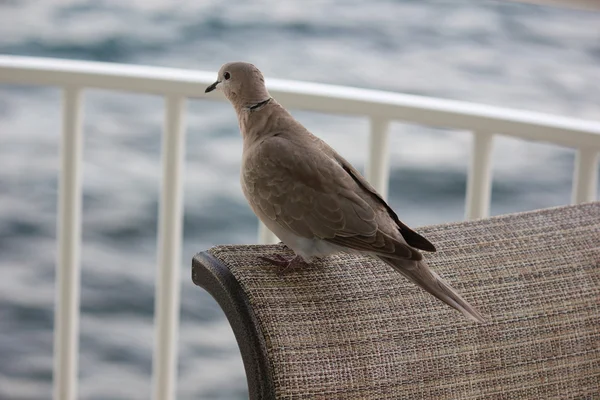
(314, 200)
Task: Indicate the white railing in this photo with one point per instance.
(175, 86)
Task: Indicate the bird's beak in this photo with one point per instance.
(212, 87)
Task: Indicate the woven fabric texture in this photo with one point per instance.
(349, 327)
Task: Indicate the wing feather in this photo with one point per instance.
(311, 194)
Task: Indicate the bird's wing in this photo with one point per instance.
(300, 187)
(411, 237)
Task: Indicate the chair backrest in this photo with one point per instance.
(349, 327)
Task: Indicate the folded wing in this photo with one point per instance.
(313, 195)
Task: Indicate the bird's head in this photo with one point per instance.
(242, 83)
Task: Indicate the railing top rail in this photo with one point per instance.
(570, 132)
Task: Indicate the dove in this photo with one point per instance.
(314, 200)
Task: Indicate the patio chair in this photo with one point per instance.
(350, 327)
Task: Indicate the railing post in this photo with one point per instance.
(585, 176)
(479, 182)
(166, 312)
(68, 269)
(377, 170)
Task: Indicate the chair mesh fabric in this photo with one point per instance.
(350, 327)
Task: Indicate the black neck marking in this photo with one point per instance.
(259, 105)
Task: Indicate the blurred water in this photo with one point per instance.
(498, 53)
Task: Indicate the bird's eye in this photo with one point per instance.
(226, 75)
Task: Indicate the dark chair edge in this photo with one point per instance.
(213, 276)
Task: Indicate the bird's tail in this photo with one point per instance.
(419, 273)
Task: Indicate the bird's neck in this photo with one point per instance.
(257, 120)
(249, 100)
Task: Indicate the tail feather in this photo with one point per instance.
(419, 273)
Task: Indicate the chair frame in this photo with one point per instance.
(213, 276)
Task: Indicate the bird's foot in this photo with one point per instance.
(283, 264)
